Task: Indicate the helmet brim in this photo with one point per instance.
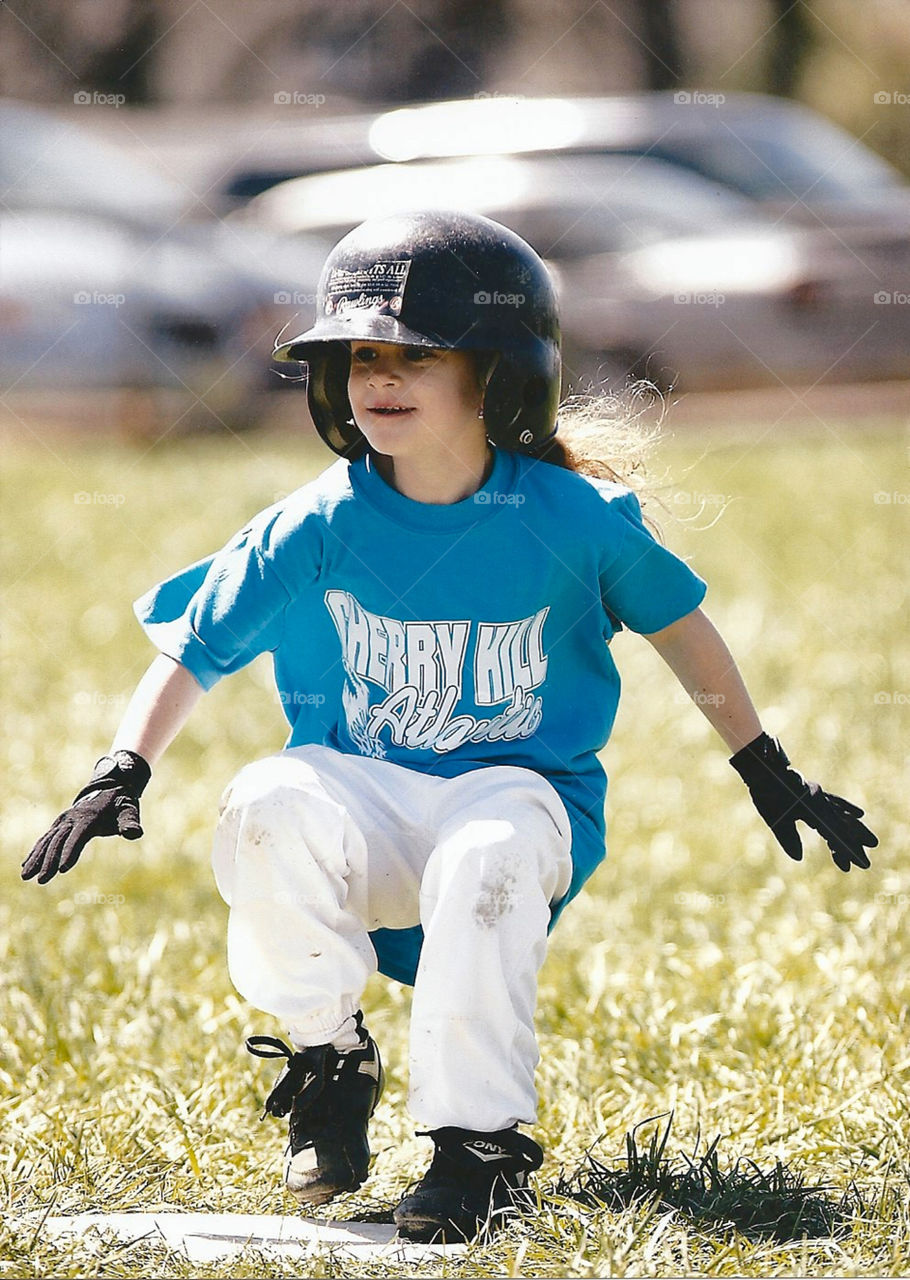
(364, 327)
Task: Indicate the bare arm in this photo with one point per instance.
(695, 651)
(158, 709)
(109, 804)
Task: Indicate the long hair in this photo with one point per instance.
(611, 436)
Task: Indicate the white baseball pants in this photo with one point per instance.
(314, 848)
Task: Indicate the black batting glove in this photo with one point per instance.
(107, 806)
(782, 797)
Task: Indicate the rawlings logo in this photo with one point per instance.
(377, 287)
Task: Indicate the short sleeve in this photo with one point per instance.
(220, 613)
(643, 584)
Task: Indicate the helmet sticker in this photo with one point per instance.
(378, 287)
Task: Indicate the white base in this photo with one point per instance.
(205, 1237)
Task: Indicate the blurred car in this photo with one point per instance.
(48, 162)
(768, 149)
(259, 157)
(105, 282)
(660, 271)
(574, 205)
(87, 304)
(798, 166)
(771, 150)
(223, 154)
(92, 303)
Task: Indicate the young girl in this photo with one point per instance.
(439, 605)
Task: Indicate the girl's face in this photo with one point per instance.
(411, 401)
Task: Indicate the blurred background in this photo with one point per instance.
(719, 186)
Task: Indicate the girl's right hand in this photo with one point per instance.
(107, 806)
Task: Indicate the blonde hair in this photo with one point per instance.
(611, 436)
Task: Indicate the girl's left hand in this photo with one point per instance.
(782, 796)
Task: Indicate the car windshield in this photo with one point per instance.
(773, 168)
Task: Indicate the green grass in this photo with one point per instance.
(763, 1003)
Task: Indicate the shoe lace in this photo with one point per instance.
(304, 1072)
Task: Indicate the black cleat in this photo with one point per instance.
(474, 1182)
(330, 1097)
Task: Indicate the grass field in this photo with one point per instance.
(702, 973)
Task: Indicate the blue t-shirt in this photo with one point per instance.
(439, 637)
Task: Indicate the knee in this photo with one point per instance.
(269, 784)
(276, 805)
(511, 846)
(484, 863)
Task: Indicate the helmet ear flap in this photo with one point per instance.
(328, 365)
(520, 404)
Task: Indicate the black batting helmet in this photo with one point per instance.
(436, 279)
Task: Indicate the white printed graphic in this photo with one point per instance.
(420, 669)
(379, 287)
